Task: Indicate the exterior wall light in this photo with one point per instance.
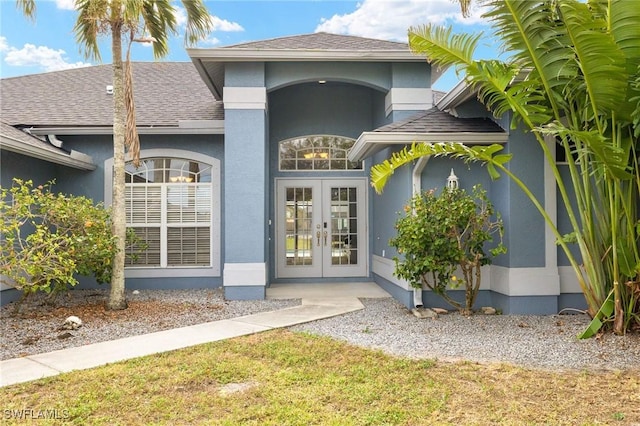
(452, 181)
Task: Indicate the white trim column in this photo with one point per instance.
(408, 99)
(245, 179)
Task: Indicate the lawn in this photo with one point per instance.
(285, 378)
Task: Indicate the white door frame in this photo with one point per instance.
(322, 250)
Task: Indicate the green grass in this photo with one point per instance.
(300, 379)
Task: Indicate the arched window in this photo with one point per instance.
(318, 153)
(170, 208)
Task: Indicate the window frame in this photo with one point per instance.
(213, 270)
(316, 149)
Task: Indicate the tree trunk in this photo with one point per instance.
(117, 299)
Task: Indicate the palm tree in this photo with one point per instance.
(573, 75)
(152, 20)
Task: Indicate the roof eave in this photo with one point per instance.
(463, 91)
(188, 127)
(14, 145)
(460, 93)
(371, 142)
(229, 54)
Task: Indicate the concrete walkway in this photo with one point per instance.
(319, 301)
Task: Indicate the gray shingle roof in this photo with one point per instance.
(8, 131)
(165, 92)
(437, 121)
(323, 41)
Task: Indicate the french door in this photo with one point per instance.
(321, 228)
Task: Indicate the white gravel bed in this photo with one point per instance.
(547, 342)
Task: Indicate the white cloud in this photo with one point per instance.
(66, 4)
(390, 20)
(3, 44)
(213, 41)
(41, 57)
(220, 24)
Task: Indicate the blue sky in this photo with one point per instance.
(48, 44)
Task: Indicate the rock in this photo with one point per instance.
(440, 311)
(29, 341)
(136, 292)
(488, 310)
(72, 323)
(65, 335)
(424, 313)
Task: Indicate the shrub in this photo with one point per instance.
(438, 234)
(47, 238)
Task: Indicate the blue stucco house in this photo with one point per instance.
(255, 164)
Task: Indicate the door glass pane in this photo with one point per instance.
(299, 226)
(344, 226)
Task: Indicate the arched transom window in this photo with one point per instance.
(169, 206)
(320, 152)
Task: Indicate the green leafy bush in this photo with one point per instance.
(438, 234)
(47, 238)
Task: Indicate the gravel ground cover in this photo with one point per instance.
(547, 342)
(37, 327)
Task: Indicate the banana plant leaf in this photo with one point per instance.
(605, 311)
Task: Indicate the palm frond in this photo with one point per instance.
(624, 19)
(28, 8)
(92, 16)
(599, 150)
(199, 22)
(601, 62)
(441, 47)
(131, 137)
(531, 34)
(380, 173)
(160, 22)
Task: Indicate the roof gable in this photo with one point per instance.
(322, 41)
(316, 47)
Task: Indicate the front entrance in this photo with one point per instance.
(321, 228)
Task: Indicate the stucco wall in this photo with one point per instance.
(331, 108)
(387, 205)
(283, 74)
(14, 165)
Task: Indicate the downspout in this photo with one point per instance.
(53, 140)
(416, 180)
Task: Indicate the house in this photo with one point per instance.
(255, 164)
